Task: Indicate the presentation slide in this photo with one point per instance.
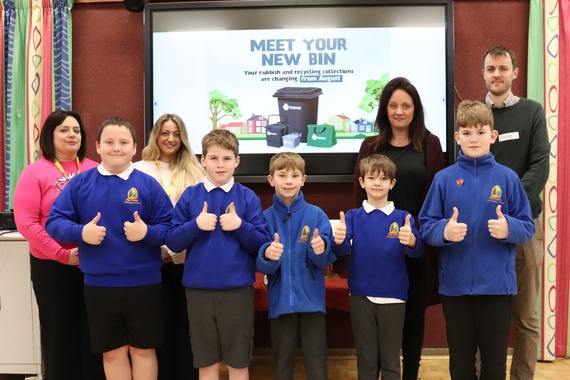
(311, 90)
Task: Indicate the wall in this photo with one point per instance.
(108, 59)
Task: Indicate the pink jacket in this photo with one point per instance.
(39, 184)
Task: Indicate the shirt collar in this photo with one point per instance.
(124, 175)
(509, 101)
(368, 208)
(210, 186)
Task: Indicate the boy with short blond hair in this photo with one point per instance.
(220, 224)
(476, 211)
(377, 236)
(294, 264)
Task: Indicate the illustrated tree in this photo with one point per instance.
(221, 106)
(373, 90)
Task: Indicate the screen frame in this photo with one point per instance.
(320, 167)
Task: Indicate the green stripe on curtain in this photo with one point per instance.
(17, 108)
(31, 29)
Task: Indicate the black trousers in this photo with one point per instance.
(473, 322)
(285, 333)
(64, 329)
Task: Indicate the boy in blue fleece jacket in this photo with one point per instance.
(477, 211)
(294, 264)
(220, 224)
(377, 236)
(119, 217)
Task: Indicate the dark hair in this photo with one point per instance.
(377, 163)
(501, 51)
(121, 123)
(54, 120)
(418, 129)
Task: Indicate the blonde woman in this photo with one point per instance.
(169, 158)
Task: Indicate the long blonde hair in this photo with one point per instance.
(186, 169)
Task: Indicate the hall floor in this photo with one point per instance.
(342, 366)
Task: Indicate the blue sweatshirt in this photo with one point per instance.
(296, 281)
(218, 259)
(116, 262)
(479, 264)
(377, 263)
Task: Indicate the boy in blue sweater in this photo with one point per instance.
(377, 236)
(294, 264)
(477, 211)
(119, 217)
(220, 224)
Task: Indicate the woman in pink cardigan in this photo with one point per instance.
(55, 274)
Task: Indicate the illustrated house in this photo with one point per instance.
(363, 125)
(341, 123)
(256, 124)
(234, 127)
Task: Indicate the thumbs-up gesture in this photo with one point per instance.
(405, 235)
(135, 231)
(317, 243)
(230, 221)
(455, 231)
(206, 221)
(274, 250)
(499, 228)
(92, 233)
(340, 230)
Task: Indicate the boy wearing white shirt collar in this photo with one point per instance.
(221, 226)
(377, 236)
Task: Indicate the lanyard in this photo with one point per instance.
(67, 177)
(169, 190)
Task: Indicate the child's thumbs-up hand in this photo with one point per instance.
(499, 228)
(317, 242)
(206, 221)
(455, 231)
(135, 231)
(274, 250)
(230, 221)
(340, 230)
(92, 233)
(405, 235)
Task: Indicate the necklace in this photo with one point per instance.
(169, 190)
(67, 177)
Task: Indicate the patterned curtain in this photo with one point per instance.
(563, 263)
(36, 73)
(549, 48)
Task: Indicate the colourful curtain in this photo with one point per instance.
(563, 262)
(36, 78)
(549, 48)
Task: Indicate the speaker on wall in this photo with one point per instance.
(135, 5)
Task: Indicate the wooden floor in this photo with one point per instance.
(343, 367)
(433, 367)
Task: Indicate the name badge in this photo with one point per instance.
(509, 136)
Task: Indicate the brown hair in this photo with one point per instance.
(472, 113)
(54, 120)
(418, 128)
(121, 123)
(377, 163)
(286, 160)
(221, 137)
(498, 51)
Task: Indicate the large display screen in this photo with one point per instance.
(289, 77)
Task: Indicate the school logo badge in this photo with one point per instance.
(305, 232)
(496, 195)
(133, 197)
(394, 231)
(459, 182)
